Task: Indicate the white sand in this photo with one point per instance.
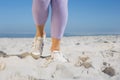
(85, 53)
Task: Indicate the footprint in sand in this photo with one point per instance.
(2, 66)
(62, 71)
(108, 53)
(84, 62)
(77, 43)
(107, 69)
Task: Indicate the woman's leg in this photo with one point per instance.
(59, 21)
(40, 14)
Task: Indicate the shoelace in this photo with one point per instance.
(35, 44)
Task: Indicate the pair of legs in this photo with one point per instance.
(40, 10)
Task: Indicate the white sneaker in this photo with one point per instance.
(37, 47)
(58, 56)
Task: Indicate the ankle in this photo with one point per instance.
(40, 35)
(55, 45)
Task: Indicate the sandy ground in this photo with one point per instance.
(90, 58)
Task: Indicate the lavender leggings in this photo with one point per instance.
(40, 11)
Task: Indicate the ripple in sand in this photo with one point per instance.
(23, 55)
(18, 76)
(3, 54)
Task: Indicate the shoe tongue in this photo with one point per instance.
(56, 51)
(39, 38)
